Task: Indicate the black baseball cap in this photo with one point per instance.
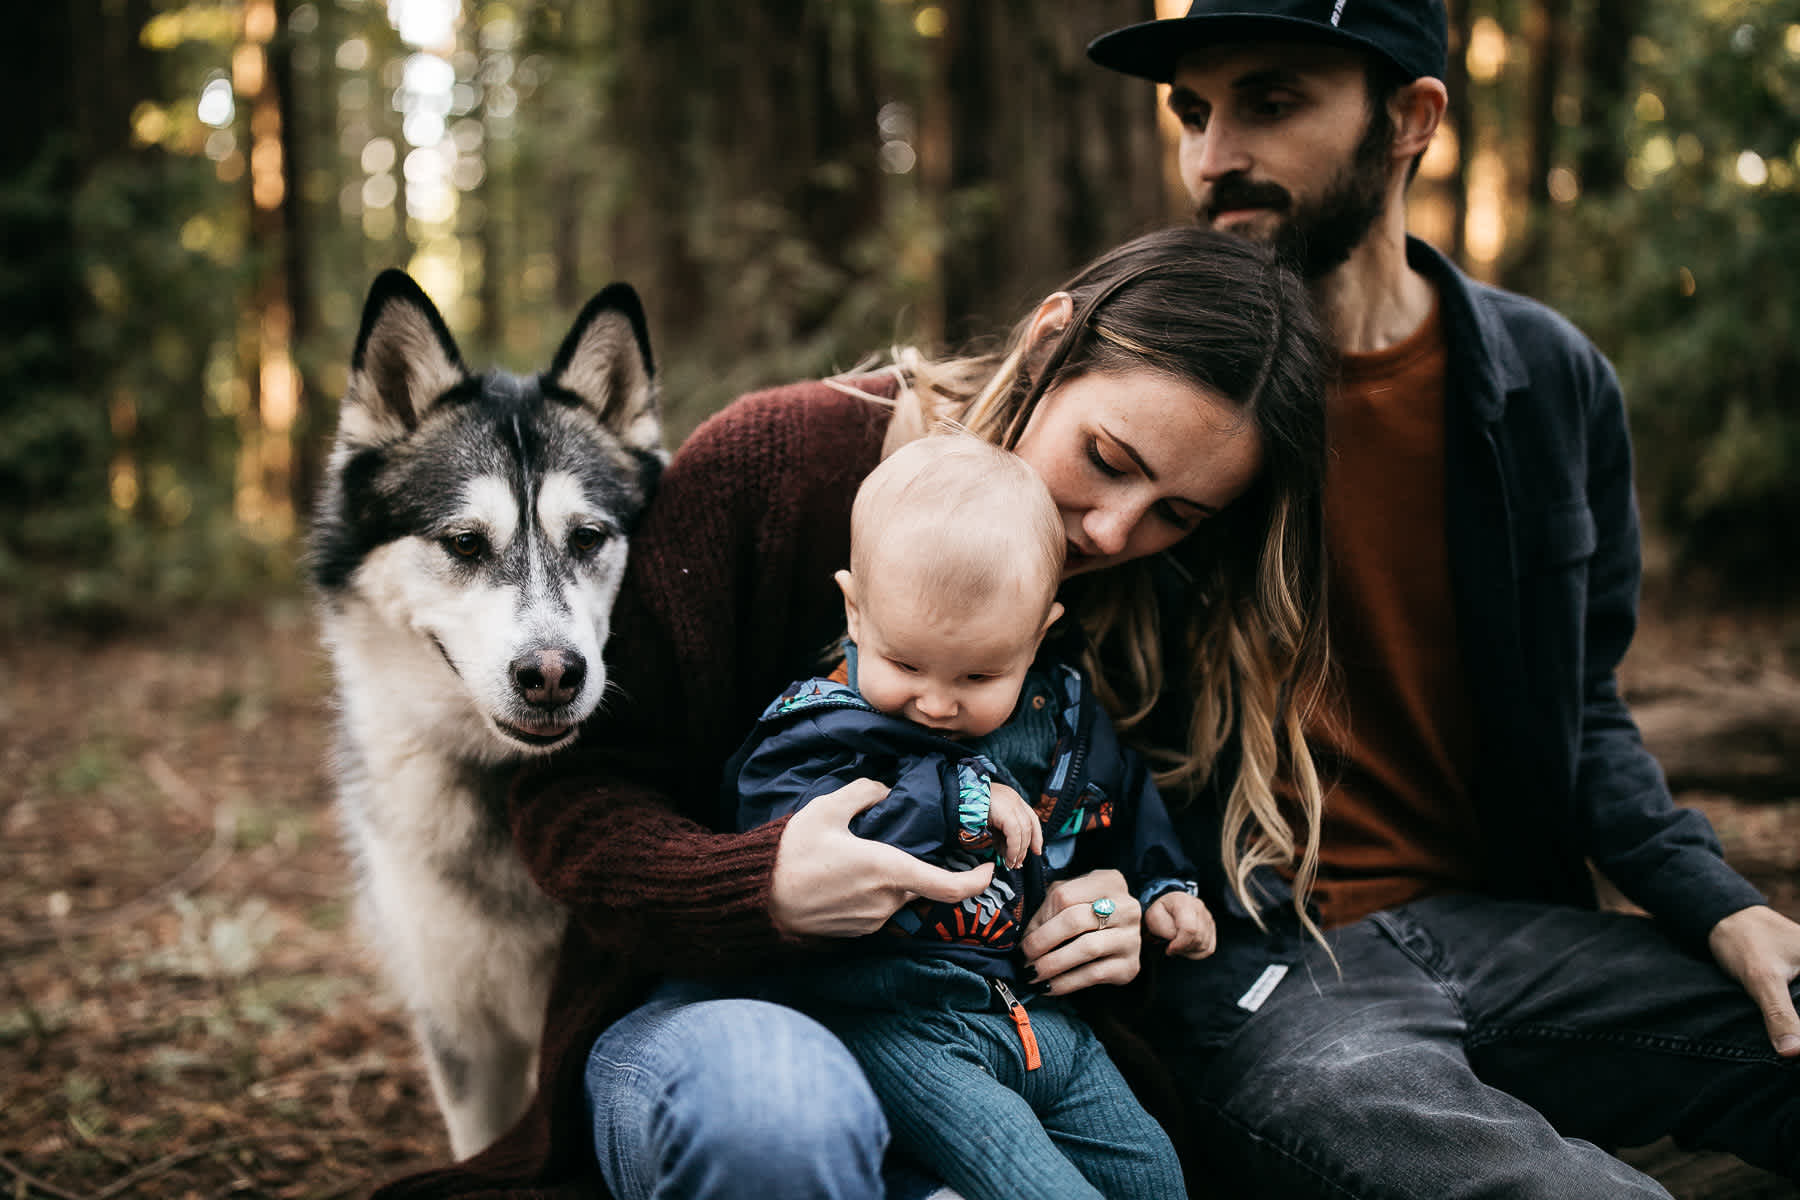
(1413, 35)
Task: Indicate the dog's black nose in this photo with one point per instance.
(549, 678)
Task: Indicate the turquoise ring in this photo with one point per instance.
(1103, 909)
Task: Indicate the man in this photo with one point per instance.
(1479, 1028)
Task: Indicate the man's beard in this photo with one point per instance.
(1317, 237)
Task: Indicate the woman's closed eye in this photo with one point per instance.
(1177, 516)
(1100, 461)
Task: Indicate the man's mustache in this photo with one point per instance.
(1237, 191)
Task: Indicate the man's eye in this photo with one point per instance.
(1191, 116)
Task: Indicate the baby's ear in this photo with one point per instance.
(1050, 618)
(847, 584)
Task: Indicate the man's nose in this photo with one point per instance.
(1217, 153)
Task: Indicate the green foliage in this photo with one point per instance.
(53, 440)
(116, 446)
(1688, 279)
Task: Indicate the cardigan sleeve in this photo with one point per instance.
(728, 595)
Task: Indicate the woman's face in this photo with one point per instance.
(1136, 460)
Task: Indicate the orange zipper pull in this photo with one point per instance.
(1022, 1020)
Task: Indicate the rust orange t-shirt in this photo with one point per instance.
(1396, 743)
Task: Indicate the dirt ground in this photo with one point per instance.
(185, 1010)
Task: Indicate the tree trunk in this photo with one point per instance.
(312, 414)
(1052, 159)
(265, 491)
(1605, 73)
(55, 459)
(1549, 39)
(1462, 123)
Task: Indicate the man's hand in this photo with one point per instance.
(1012, 821)
(830, 883)
(1184, 922)
(1760, 948)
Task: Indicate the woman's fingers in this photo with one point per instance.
(1070, 945)
(1068, 911)
(1103, 956)
(916, 877)
(828, 882)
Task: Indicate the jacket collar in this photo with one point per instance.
(1486, 364)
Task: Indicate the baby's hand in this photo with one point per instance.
(1011, 820)
(1183, 922)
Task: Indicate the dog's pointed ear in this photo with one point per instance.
(605, 362)
(405, 360)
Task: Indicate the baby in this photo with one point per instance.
(946, 694)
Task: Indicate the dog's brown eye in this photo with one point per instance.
(584, 538)
(466, 545)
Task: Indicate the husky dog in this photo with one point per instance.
(467, 549)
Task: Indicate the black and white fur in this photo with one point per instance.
(468, 546)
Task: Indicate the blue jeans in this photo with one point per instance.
(696, 1097)
(951, 1071)
(1477, 1047)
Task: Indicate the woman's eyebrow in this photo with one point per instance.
(1130, 452)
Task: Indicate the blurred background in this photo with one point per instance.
(195, 196)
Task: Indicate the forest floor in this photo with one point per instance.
(186, 1011)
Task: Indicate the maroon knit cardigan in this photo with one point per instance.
(728, 596)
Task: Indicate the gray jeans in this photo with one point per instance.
(1476, 1047)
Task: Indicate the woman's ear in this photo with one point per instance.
(1051, 318)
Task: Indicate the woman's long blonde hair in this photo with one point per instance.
(1221, 314)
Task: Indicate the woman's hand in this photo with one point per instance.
(830, 883)
(1012, 821)
(1069, 946)
(1184, 922)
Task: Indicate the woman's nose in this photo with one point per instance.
(1108, 529)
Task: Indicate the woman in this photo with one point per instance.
(1171, 397)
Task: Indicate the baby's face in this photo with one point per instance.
(957, 673)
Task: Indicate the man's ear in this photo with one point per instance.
(1056, 611)
(1417, 109)
(847, 584)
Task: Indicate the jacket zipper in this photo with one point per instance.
(1022, 1021)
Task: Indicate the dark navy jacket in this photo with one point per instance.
(1098, 807)
(1545, 564)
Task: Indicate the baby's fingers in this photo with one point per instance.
(1017, 837)
(1199, 937)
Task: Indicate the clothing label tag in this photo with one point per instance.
(1265, 983)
